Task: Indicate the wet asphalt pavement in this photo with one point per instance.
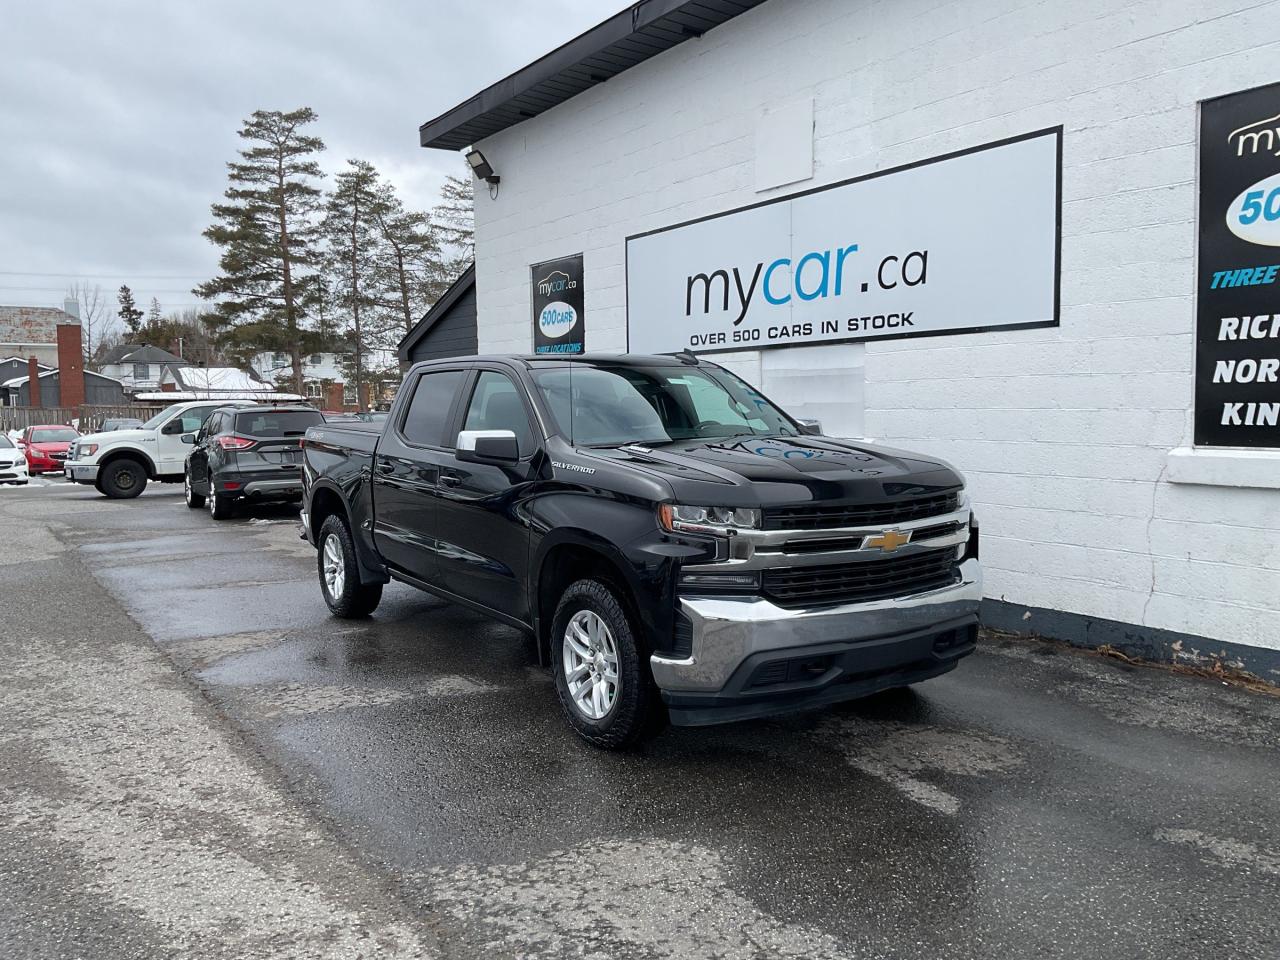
(198, 761)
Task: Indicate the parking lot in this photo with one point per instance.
(199, 761)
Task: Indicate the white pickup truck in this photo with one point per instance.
(121, 462)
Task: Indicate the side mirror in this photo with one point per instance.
(488, 446)
(188, 438)
(172, 427)
(812, 428)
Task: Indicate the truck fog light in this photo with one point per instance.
(740, 581)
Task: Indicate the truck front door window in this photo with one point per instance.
(495, 405)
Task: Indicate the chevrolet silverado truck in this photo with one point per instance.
(678, 547)
(121, 462)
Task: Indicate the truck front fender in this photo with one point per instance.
(132, 453)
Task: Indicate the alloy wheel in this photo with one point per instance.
(335, 566)
(591, 664)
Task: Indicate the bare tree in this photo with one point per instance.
(98, 324)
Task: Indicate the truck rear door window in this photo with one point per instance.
(429, 408)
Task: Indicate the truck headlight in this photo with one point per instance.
(717, 521)
(86, 450)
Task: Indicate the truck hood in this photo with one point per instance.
(750, 471)
(117, 436)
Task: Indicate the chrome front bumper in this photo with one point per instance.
(80, 472)
(729, 631)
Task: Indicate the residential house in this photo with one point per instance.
(324, 376)
(98, 390)
(213, 383)
(318, 369)
(138, 366)
(11, 367)
(33, 331)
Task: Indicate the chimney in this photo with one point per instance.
(33, 378)
(333, 396)
(70, 365)
(72, 306)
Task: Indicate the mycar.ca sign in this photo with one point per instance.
(558, 322)
(960, 243)
(1238, 281)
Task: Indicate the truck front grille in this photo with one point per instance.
(860, 582)
(879, 514)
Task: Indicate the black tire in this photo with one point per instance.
(122, 479)
(635, 710)
(194, 500)
(352, 600)
(220, 507)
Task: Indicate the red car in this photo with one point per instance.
(46, 446)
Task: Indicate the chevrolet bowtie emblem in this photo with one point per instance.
(888, 541)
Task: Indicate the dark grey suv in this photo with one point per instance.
(247, 454)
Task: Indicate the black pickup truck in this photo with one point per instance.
(678, 546)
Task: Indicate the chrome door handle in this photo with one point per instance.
(450, 480)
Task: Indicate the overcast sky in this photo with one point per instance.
(117, 118)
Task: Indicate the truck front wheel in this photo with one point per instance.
(122, 479)
(339, 571)
(604, 685)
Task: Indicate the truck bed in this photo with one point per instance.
(357, 436)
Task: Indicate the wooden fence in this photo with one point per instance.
(85, 418)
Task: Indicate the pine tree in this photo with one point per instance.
(412, 273)
(154, 317)
(354, 209)
(454, 217)
(129, 311)
(267, 232)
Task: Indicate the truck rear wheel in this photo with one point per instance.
(339, 571)
(122, 479)
(602, 680)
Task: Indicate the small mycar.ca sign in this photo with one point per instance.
(1238, 273)
(959, 243)
(558, 321)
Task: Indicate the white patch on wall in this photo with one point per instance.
(784, 144)
(818, 383)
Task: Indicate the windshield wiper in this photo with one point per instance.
(612, 445)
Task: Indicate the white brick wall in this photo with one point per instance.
(1063, 432)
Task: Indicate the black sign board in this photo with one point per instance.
(558, 319)
(1238, 284)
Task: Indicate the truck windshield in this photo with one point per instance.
(158, 419)
(613, 406)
